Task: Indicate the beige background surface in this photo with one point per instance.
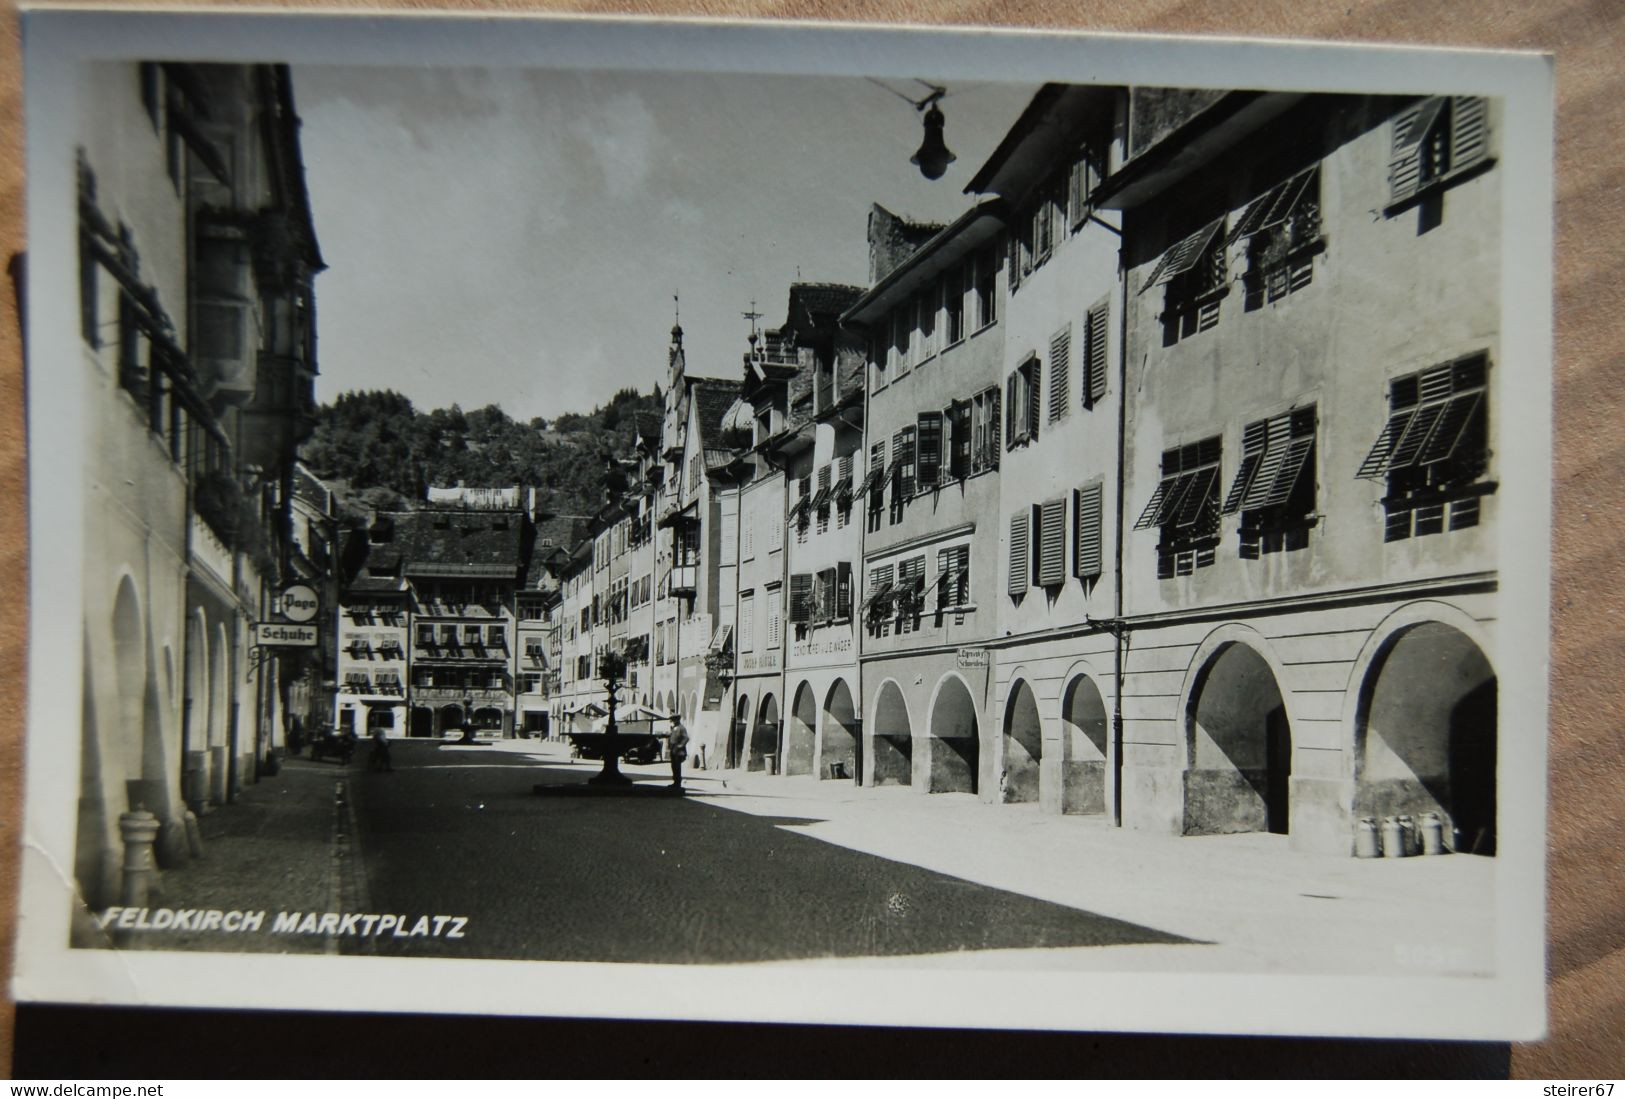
(1586, 922)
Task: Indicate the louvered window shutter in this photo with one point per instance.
(843, 590)
(1089, 512)
(1019, 555)
(1094, 390)
(1052, 542)
(1405, 159)
(1035, 389)
(993, 429)
(1060, 373)
(1010, 406)
(1469, 130)
(930, 444)
(800, 588)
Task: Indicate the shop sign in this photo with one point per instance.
(299, 603)
(973, 658)
(286, 634)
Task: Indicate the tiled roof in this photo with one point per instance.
(812, 300)
(712, 399)
(457, 542)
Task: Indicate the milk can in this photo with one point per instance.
(1407, 834)
(1366, 844)
(1432, 828)
(1393, 838)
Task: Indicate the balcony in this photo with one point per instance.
(684, 579)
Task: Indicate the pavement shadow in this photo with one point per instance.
(672, 880)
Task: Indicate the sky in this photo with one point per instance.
(516, 237)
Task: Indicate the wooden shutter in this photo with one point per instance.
(1013, 258)
(1035, 390)
(929, 425)
(1405, 157)
(1469, 131)
(1094, 389)
(1010, 406)
(1051, 536)
(1019, 555)
(843, 590)
(993, 428)
(800, 591)
(959, 440)
(1089, 512)
(1060, 373)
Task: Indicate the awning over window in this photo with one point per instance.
(1184, 255)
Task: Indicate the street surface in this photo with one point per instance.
(752, 868)
(456, 829)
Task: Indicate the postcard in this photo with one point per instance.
(717, 520)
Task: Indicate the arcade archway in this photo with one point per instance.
(1084, 727)
(840, 755)
(1241, 747)
(801, 734)
(893, 738)
(1023, 746)
(764, 738)
(1428, 731)
(955, 740)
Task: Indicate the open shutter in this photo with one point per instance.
(1019, 557)
(1060, 373)
(1052, 542)
(993, 428)
(1035, 387)
(1405, 158)
(1010, 406)
(1087, 505)
(800, 601)
(1094, 390)
(1469, 130)
(843, 590)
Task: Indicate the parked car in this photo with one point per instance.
(330, 745)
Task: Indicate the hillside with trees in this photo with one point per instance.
(377, 451)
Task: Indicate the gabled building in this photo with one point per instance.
(1053, 652)
(932, 322)
(197, 258)
(1313, 298)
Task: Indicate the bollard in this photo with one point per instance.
(1393, 838)
(138, 829)
(1432, 828)
(1366, 843)
(194, 835)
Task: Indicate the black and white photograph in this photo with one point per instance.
(708, 521)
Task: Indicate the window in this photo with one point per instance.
(775, 611)
(843, 590)
(1087, 554)
(448, 636)
(801, 510)
(1435, 141)
(534, 650)
(953, 293)
(1060, 373)
(984, 292)
(1282, 228)
(530, 683)
(926, 306)
(1094, 353)
(1018, 575)
(1082, 179)
(928, 436)
(1186, 508)
(875, 484)
(425, 636)
(1195, 274)
(1043, 234)
(747, 622)
(902, 322)
(747, 541)
(823, 596)
(1021, 411)
(1433, 451)
(910, 593)
(496, 637)
(471, 636)
(877, 606)
(985, 431)
(902, 472)
(878, 352)
(801, 599)
(775, 530)
(953, 577)
(1274, 488)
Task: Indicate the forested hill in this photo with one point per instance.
(377, 451)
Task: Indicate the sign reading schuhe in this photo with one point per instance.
(283, 633)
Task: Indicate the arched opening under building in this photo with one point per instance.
(130, 678)
(196, 707)
(487, 719)
(737, 732)
(221, 694)
(671, 702)
(1429, 725)
(449, 719)
(764, 738)
(381, 717)
(893, 738)
(1084, 728)
(1023, 746)
(955, 740)
(840, 755)
(422, 721)
(1241, 754)
(802, 734)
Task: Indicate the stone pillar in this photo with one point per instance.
(138, 829)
